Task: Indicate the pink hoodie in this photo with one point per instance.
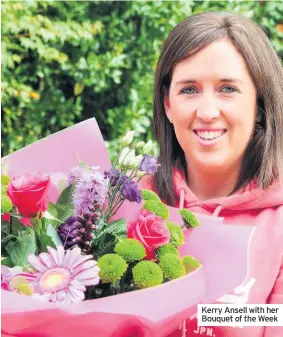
(250, 207)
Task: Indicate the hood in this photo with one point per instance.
(249, 198)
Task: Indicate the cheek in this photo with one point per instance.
(183, 115)
(242, 125)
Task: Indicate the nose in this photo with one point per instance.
(208, 111)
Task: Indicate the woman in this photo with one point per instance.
(218, 118)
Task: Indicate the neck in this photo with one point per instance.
(208, 185)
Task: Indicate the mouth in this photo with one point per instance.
(209, 135)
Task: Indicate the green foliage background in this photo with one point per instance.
(66, 61)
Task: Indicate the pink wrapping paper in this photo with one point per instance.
(153, 312)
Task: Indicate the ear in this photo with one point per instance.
(167, 106)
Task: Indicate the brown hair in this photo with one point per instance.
(263, 159)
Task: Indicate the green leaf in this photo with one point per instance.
(36, 225)
(44, 241)
(49, 216)
(5, 179)
(6, 204)
(113, 231)
(52, 210)
(5, 227)
(20, 250)
(108, 247)
(51, 231)
(15, 215)
(116, 227)
(17, 225)
(8, 238)
(64, 212)
(79, 88)
(64, 206)
(66, 196)
(6, 262)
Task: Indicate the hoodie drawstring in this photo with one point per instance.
(218, 209)
(216, 212)
(182, 198)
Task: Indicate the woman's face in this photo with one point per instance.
(212, 105)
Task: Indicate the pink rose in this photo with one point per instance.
(150, 230)
(28, 193)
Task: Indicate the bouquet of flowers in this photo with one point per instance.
(69, 245)
(71, 250)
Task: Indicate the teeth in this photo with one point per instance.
(209, 134)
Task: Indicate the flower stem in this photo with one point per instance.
(123, 281)
(116, 210)
(117, 159)
(11, 225)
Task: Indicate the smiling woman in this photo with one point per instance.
(218, 119)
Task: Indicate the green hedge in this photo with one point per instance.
(63, 62)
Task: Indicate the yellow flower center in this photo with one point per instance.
(54, 280)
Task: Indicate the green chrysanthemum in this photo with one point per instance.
(112, 267)
(4, 189)
(147, 274)
(190, 263)
(6, 204)
(5, 179)
(130, 249)
(176, 233)
(189, 218)
(150, 195)
(157, 207)
(166, 249)
(172, 266)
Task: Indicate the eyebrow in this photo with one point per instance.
(223, 80)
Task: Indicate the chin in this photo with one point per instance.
(212, 163)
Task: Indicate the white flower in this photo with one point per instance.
(140, 145)
(148, 147)
(135, 162)
(128, 138)
(127, 156)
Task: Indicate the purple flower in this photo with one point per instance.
(79, 231)
(129, 190)
(75, 174)
(90, 191)
(149, 164)
(113, 175)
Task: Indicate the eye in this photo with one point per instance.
(189, 90)
(228, 89)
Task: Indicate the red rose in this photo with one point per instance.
(28, 193)
(150, 230)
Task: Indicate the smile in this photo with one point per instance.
(209, 137)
